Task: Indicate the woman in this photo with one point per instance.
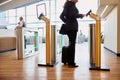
(21, 23)
(69, 16)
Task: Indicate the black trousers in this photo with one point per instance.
(71, 48)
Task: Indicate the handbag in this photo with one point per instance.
(63, 29)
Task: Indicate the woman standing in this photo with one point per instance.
(69, 16)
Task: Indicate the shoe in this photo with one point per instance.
(65, 63)
(72, 66)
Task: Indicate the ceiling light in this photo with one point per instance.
(5, 2)
(104, 10)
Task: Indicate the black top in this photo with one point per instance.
(69, 16)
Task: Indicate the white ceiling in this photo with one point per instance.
(15, 3)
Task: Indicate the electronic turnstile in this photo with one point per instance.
(50, 43)
(27, 42)
(95, 44)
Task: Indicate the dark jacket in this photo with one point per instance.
(69, 16)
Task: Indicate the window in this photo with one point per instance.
(3, 16)
(12, 16)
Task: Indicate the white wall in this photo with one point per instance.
(110, 31)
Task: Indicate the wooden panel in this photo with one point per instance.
(7, 43)
(105, 7)
(108, 2)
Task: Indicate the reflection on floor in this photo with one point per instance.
(27, 69)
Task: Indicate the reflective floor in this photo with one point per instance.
(28, 69)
